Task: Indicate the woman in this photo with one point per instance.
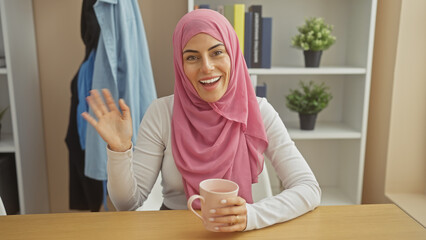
(212, 127)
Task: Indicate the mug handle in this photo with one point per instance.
(190, 200)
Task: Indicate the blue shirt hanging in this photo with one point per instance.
(84, 85)
(123, 66)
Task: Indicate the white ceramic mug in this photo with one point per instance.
(212, 191)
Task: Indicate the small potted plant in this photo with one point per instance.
(308, 102)
(1, 117)
(313, 37)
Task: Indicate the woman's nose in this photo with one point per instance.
(207, 65)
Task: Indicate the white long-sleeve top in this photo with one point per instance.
(132, 174)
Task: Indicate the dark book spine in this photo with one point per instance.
(261, 90)
(248, 38)
(204, 6)
(266, 42)
(257, 36)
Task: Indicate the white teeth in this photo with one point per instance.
(210, 80)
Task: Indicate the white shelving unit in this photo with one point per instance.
(307, 71)
(6, 143)
(22, 127)
(335, 149)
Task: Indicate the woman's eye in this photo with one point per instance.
(191, 58)
(217, 52)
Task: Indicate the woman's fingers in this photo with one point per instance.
(231, 219)
(109, 100)
(90, 119)
(99, 102)
(235, 223)
(234, 201)
(92, 103)
(233, 213)
(125, 109)
(232, 206)
(231, 210)
(115, 128)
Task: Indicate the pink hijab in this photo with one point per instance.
(225, 139)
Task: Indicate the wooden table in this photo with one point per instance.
(384, 221)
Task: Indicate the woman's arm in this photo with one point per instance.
(301, 190)
(132, 174)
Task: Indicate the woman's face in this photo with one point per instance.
(207, 65)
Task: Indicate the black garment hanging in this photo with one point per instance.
(90, 29)
(85, 193)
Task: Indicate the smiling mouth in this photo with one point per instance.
(210, 81)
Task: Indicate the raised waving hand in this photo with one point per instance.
(113, 126)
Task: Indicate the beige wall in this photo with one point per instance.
(386, 38)
(406, 169)
(160, 21)
(396, 140)
(61, 51)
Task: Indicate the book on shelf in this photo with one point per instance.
(247, 38)
(239, 15)
(254, 32)
(204, 6)
(266, 42)
(261, 90)
(256, 56)
(229, 13)
(2, 62)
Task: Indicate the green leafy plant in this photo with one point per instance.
(314, 35)
(2, 113)
(311, 99)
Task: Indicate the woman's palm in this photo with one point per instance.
(114, 127)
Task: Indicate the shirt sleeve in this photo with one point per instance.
(132, 174)
(301, 192)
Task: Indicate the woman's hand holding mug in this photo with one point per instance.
(114, 127)
(233, 214)
(221, 209)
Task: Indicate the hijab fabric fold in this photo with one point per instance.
(224, 139)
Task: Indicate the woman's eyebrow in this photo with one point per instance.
(189, 50)
(194, 51)
(215, 46)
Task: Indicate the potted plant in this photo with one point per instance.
(313, 37)
(308, 102)
(1, 117)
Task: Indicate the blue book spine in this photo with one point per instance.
(266, 42)
(248, 41)
(204, 6)
(261, 90)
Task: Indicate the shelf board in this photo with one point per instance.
(334, 196)
(323, 130)
(6, 143)
(3, 70)
(307, 71)
(414, 204)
